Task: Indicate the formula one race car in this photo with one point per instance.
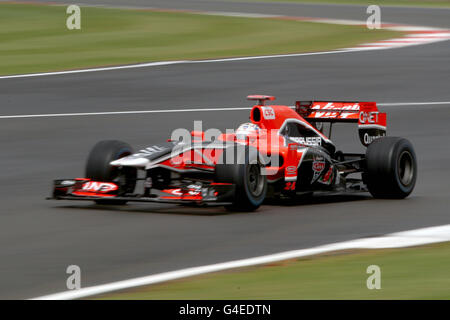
(282, 153)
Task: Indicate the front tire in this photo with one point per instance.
(247, 176)
(98, 167)
(391, 168)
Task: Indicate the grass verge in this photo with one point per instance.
(34, 38)
(409, 273)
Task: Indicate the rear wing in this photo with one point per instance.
(371, 122)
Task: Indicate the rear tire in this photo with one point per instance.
(391, 168)
(99, 169)
(246, 175)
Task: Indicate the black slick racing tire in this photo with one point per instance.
(391, 168)
(246, 173)
(98, 167)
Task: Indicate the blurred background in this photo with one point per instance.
(70, 77)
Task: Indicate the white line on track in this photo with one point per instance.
(393, 104)
(51, 115)
(165, 63)
(56, 73)
(393, 240)
(439, 34)
(80, 114)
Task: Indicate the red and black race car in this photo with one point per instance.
(282, 153)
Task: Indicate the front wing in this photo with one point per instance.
(211, 193)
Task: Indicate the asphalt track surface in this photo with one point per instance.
(39, 238)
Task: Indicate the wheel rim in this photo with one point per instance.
(406, 168)
(255, 181)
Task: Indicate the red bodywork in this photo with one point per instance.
(269, 142)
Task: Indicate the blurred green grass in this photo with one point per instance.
(412, 3)
(409, 273)
(34, 38)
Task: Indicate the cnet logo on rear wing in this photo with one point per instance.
(373, 119)
(103, 187)
(368, 117)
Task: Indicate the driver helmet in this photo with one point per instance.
(246, 129)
